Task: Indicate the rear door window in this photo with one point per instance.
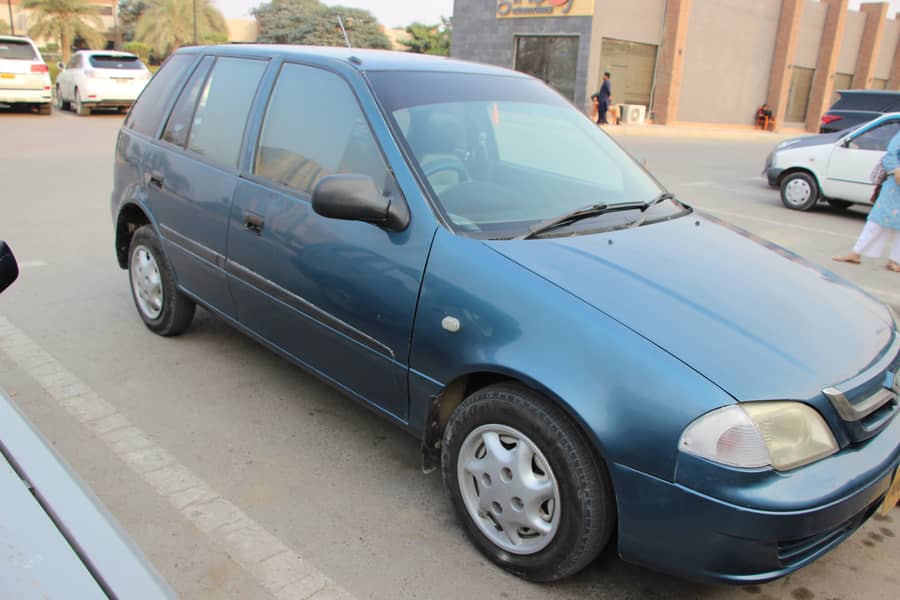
(179, 124)
(107, 61)
(221, 116)
(313, 128)
(147, 113)
(16, 50)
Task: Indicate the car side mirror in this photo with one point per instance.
(353, 197)
(9, 268)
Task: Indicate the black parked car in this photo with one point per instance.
(856, 107)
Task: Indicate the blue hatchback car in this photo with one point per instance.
(459, 249)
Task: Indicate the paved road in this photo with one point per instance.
(305, 493)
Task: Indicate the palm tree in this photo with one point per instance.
(65, 21)
(168, 24)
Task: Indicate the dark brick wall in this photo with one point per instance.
(481, 37)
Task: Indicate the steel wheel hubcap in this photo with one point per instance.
(146, 282)
(509, 489)
(797, 191)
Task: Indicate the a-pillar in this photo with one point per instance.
(670, 69)
(782, 61)
(876, 16)
(826, 64)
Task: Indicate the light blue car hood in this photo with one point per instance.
(757, 320)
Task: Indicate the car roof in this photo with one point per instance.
(15, 38)
(105, 53)
(359, 59)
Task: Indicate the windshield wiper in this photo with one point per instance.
(648, 205)
(586, 212)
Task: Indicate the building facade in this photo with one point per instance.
(690, 61)
(20, 17)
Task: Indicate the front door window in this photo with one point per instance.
(552, 59)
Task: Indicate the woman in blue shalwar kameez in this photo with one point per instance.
(884, 218)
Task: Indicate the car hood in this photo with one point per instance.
(819, 139)
(757, 320)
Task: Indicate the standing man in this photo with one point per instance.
(602, 98)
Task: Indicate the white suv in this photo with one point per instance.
(24, 76)
(95, 78)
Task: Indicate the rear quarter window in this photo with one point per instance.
(17, 50)
(115, 62)
(867, 101)
(150, 108)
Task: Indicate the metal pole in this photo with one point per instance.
(344, 31)
(195, 22)
(12, 26)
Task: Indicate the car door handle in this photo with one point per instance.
(156, 180)
(254, 223)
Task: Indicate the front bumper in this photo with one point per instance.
(772, 175)
(742, 527)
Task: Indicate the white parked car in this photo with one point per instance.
(835, 167)
(95, 78)
(24, 76)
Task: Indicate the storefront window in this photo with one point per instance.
(798, 100)
(631, 66)
(879, 84)
(842, 81)
(552, 59)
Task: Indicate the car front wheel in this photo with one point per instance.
(799, 191)
(58, 100)
(162, 307)
(530, 492)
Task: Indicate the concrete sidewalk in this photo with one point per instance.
(703, 131)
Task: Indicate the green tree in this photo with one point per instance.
(429, 39)
(167, 25)
(65, 21)
(130, 11)
(312, 22)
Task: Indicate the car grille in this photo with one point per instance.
(794, 551)
(869, 412)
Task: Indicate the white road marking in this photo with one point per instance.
(735, 215)
(31, 264)
(275, 566)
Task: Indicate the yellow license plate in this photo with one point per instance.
(7, 75)
(893, 495)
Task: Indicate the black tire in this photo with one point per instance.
(177, 310)
(58, 100)
(799, 191)
(839, 204)
(81, 109)
(587, 513)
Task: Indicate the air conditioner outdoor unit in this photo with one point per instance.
(634, 114)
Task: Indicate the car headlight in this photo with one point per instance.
(783, 435)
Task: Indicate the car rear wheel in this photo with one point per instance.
(162, 307)
(80, 108)
(799, 191)
(532, 495)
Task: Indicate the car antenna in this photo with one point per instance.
(344, 31)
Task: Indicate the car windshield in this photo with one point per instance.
(502, 153)
(107, 61)
(16, 50)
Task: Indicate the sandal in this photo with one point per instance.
(850, 258)
(892, 266)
